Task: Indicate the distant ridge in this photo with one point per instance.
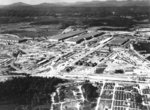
(52, 4)
(16, 5)
(113, 3)
(19, 4)
(86, 4)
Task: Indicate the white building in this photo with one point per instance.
(9, 38)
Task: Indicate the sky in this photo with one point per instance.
(6, 2)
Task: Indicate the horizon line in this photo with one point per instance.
(60, 2)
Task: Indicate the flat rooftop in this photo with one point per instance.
(9, 37)
(118, 41)
(85, 36)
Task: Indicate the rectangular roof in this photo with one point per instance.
(118, 41)
(9, 37)
(67, 35)
(85, 36)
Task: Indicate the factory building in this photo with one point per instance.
(143, 30)
(87, 36)
(118, 41)
(62, 37)
(9, 38)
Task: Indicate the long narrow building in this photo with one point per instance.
(88, 36)
(9, 38)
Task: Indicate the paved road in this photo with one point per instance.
(91, 51)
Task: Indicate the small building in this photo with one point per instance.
(99, 70)
(93, 29)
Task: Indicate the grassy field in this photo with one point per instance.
(28, 30)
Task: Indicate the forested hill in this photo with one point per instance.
(28, 91)
(47, 9)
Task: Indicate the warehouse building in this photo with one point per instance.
(88, 36)
(9, 38)
(118, 41)
(62, 37)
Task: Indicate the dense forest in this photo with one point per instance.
(142, 46)
(28, 91)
